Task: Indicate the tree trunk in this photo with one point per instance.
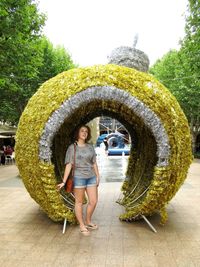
(194, 138)
(195, 130)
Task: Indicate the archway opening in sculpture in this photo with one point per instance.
(143, 157)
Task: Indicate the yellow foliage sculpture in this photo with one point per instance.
(161, 150)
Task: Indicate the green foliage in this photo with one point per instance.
(20, 29)
(174, 72)
(190, 51)
(20, 26)
(180, 70)
(26, 58)
(197, 155)
(54, 61)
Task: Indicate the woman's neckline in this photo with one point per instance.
(83, 145)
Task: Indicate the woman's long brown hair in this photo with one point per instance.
(76, 134)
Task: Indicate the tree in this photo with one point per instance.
(54, 61)
(190, 49)
(27, 59)
(191, 42)
(174, 72)
(20, 28)
(180, 70)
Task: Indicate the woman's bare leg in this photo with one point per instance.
(92, 196)
(79, 197)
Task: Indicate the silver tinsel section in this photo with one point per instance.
(85, 97)
(129, 57)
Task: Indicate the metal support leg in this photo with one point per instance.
(149, 224)
(64, 225)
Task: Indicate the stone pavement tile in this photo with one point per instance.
(188, 235)
(6, 170)
(115, 246)
(144, 234)
(183, 261)
(145, 243)
(196, 262)
(25, 246)
(63, 262)
(81, 259)
(63, 239)
(4, 229)
(97, 261)
(149, 261)
(67, 249)
(15, 237)
(115, 220)
(46, 257)
(172, 238)
(71, 241)
(115, 259)
(175, 248)
(130, 236)
(165, 261)
(102, 232)
(68, 253)
(78, 264)
(183, 256)
(17, 254)
(104, 220)
(129, 232)
(132, 249)
(180, 227)
(116, 232)
(52, 248)
(84, 250)
(99, 246)
(191, 248)
(96, 264)
(132, 260)
(162, 251)
(48, 237)
(35, 253)
(147, 252)
(5, 254)
(24, 263)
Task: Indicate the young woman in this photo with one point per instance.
(86, 177)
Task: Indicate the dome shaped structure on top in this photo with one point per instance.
(129, 57)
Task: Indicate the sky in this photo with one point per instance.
(91, 29)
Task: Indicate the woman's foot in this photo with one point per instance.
(92, 226)
(84, 230)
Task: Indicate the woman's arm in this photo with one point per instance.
(66, 174)
(96, 170)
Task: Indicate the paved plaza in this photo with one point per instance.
(28, 238)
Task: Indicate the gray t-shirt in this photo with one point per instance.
(84, 160)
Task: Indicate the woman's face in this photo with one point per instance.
(83, 133)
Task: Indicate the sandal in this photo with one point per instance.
(85, 231)
(92, 226)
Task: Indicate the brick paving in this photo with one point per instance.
(29, 239)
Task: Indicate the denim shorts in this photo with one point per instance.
(84, 182)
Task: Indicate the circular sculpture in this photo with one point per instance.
(161, 148)
(115, 140)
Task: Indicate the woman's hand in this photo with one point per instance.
(97, 173)
(98, 180)
(59, 186)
